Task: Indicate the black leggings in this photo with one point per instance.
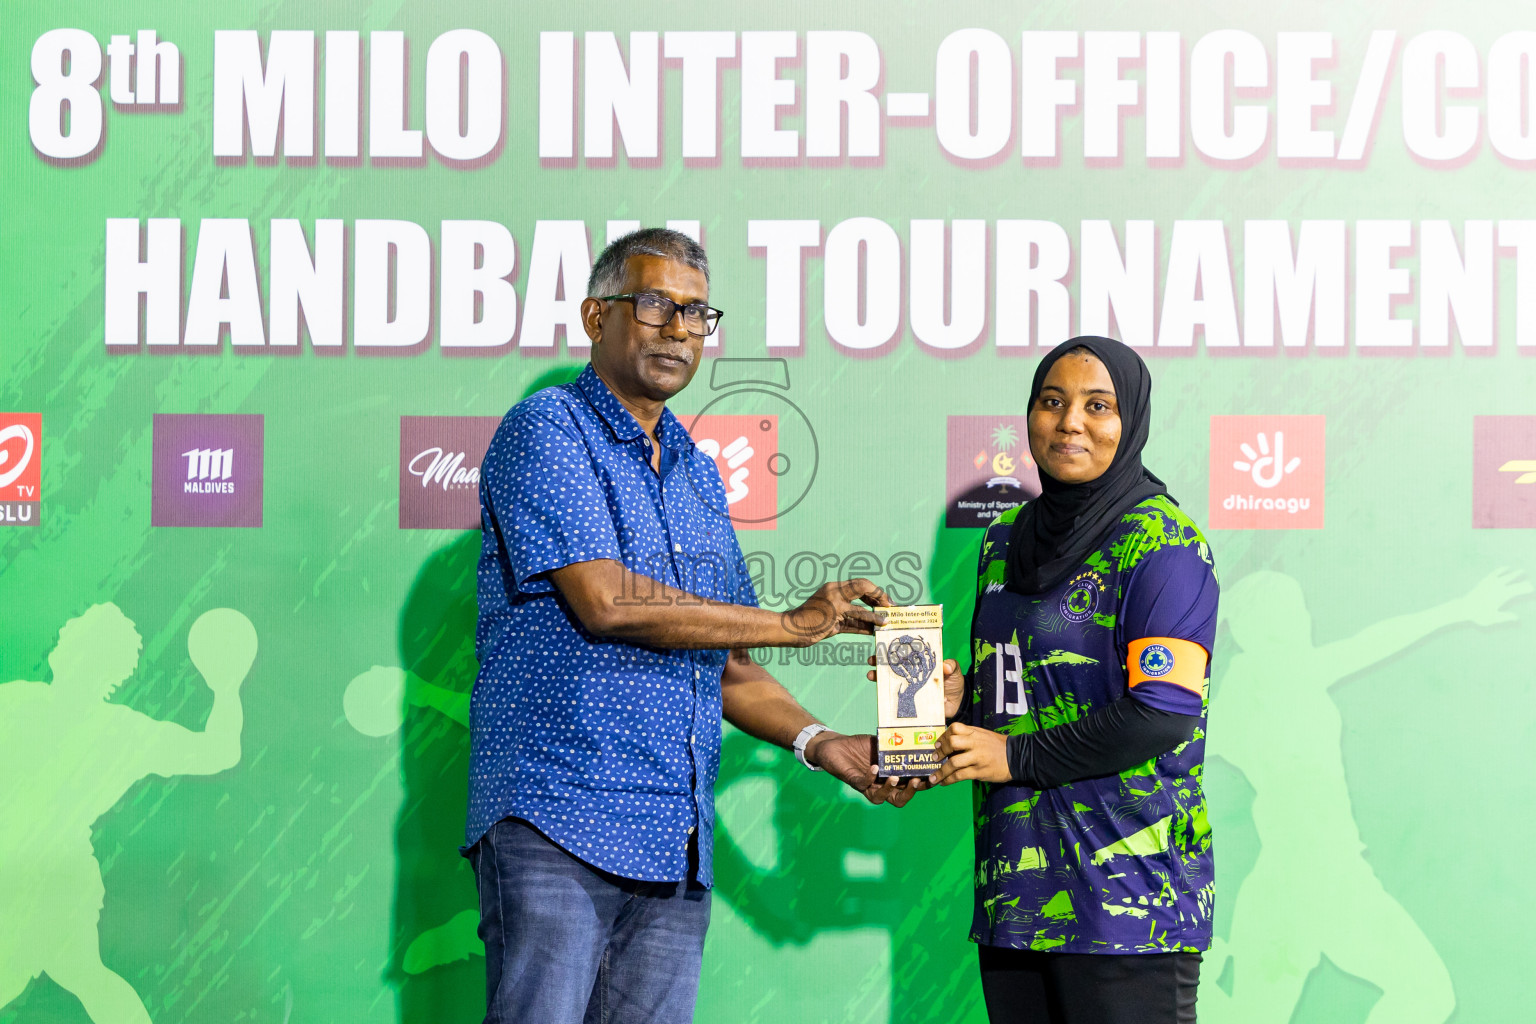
(1025, 987)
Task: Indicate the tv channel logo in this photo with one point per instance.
(988, 468)
(440, 459)
(1267, 472)
(207, 470)
(1503, 472)
(21, 443)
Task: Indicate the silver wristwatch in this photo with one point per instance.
(803, 739)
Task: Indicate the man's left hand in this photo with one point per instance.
(852, 759)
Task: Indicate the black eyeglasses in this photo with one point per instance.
(657, 311)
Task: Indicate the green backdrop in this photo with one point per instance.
(1372, 708)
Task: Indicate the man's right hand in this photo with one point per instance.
(832, 609)
(851, 759)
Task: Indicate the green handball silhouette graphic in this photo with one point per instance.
(913, 659)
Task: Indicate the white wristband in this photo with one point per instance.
(804, 738)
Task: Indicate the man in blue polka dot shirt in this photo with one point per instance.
(616, 612)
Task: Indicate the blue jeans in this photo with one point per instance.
(566, 943)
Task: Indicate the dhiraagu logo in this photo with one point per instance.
(1267, 472)
(1267, 467)
(1082, 597)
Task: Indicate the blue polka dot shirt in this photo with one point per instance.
(609, 748)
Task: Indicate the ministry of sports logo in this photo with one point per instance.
(1156, 660)
(21, 441)
(207, 470)
(1503, 472)
(440, 459)
(1267, 472)
(988, 468)
(1082, 597)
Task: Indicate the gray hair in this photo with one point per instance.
(608, 273)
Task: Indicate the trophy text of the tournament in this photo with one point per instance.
(909, 681)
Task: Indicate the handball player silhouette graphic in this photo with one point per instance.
(374, 704)
(67, 755)
(1274, 719)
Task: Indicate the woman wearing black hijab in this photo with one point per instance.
(1082, 720)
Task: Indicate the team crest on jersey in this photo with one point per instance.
(1082, 597)
(1156, 660)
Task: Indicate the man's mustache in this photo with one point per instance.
(675, 352)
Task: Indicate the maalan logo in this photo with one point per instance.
(21, 442)
(207, 471)
(1503, 472)
(988, 468)
(1267, 472)
(746, 451)
(440, 460)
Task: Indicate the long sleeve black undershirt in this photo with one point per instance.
(1105, 742)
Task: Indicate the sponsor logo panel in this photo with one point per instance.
(1267, 472)
(440, 459)
(21, 476)
(988, 468)
(207, 470)
(1503, 472)
(749, 422)
(746, 451)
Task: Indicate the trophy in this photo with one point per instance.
(909, 683)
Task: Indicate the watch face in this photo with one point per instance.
(765, 448)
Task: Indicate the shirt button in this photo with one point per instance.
(677, 547)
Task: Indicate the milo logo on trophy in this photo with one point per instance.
(910, 688)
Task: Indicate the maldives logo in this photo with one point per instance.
(440, 460)
(1503, 472)
(1267, 472)
(988, 469)
(207, 470)
(746, 451)
(21, 440)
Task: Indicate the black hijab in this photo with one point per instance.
(1055, 533)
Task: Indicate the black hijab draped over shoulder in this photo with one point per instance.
(1057, 531)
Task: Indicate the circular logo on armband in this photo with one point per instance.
(1082, 597)
(1156, 660)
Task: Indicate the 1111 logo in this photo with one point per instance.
(209, 471)
(206, 470)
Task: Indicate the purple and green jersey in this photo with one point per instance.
(1120, 863)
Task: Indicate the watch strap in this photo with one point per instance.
(805, 738)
